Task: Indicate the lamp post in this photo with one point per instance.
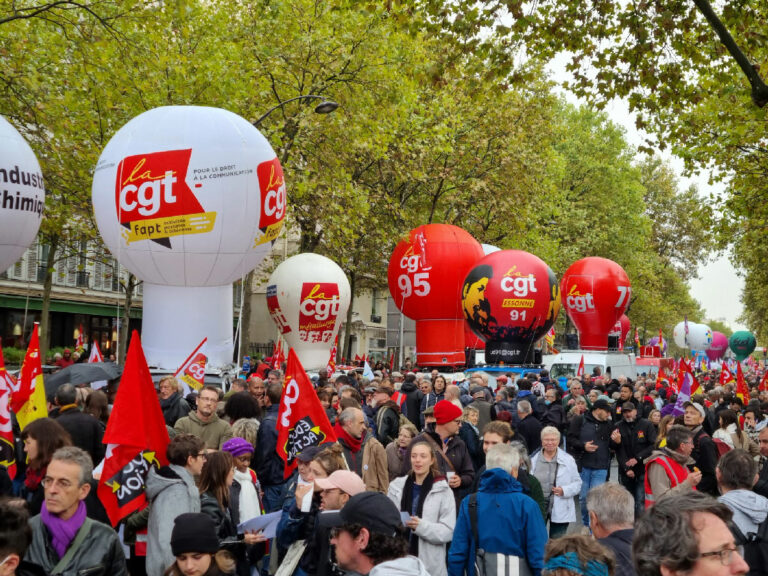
(325, 107)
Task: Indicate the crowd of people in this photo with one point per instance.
(430, 474)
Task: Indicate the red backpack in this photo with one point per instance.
(721, 447)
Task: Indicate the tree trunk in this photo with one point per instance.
(122, 348)
(45, 332)
(245, 325)
(348, 321)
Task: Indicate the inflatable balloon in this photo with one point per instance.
(22, 191)
(188, 197)
(488, 249)
(742, 344)
(655, 342)
(308, 296)
(510, 299)
(718, 347)
(620, 330)
(699, 336)
(425, 276)
(595, 293)
(679, 335)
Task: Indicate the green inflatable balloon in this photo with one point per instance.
(742, 344)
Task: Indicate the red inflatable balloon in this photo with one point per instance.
(621, 330)
(425, 276)
(472, 340)
(595, 292)
(511, 299)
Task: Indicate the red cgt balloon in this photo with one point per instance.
(425, 276)
(621, 330)
(595, 292)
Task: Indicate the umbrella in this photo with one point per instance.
(84, 373)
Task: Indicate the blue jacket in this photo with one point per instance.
(269, 466)
(509, 523)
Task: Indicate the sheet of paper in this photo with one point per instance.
(405, 517)
(267, 523)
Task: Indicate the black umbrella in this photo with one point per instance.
(84, 373)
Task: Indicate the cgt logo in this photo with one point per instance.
(320, 301)
(579, 297)
(273, 193)
(520, 286)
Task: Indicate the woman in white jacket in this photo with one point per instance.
(560, 481)
(427, 498)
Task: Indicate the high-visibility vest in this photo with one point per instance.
(398, 398)
(676, 472)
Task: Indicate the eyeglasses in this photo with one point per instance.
(203, 455)
(726, 555)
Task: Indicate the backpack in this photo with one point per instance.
(755, 548)
(721, 447)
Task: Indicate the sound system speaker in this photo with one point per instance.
(572, 341)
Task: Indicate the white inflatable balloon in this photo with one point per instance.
(678, 335)
(489, 249)
(699, 336)
(22, 195)
(308, 296)
(188, 196)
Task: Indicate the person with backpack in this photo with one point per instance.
(705, 452)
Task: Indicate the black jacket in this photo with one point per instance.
(529, 430)
(85, 430)
(554, 415)
(587, 428)
(705, 455)
(387, 422)
(761, 486)
(412, 405)
(174, 407)
(620, 542)
(637, 441)
(269, 466)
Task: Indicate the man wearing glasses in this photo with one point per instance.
(686, 534)
(669, 466)
(204, 423)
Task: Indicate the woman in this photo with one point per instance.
(554, 413)
(730, 433)
(425, 495)
(97, 405)
(752, 417)
(194, 544)
(437, 394)
(171, 402)
(578, 555)
(241, 405)
(654, 417)
(41, 437)
(664, 425)
(245, 503)
(558, 474)
(396, 449)
(578, 409)
(471, 435)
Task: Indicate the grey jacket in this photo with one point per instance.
(171, 491)
(749, 509)
(405, 566)
(100, 554)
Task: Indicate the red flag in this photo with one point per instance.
(301, 420)
(726, 377)
(7, 447)
(685, 368)
(28, 400)
(192, 370)
(331, 368)
(136, 438)
(96, 355)
(742, 391)
(278, 356)
(580, 370)
(763, 382)
(662, 375)
(392, 362)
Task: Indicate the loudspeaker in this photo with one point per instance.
(572, 341)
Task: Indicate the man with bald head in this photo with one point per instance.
(363, 452)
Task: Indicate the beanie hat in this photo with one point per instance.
(446, 411)
(194, 532)
(237, 447)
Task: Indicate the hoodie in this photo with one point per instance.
(412, 405)
(749, 509)
(405, 566)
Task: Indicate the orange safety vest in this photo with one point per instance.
(676, 472)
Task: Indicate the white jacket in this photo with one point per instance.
(435, 528)
(569, 479)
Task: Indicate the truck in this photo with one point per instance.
(564, 365)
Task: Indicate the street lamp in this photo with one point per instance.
(325, 107)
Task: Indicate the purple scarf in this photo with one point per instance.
(63, 531)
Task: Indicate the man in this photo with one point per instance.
(576, 391)
(686, 534)
(84, 429)
(322, 378)
(204, 423)
(269, 466)
(704, 449)
(668, 466)
(612, 519)
(364, 454)
(387, 415)
(761, 486)
(518, 531)
(65, 360)
(275, 377)
(636, 440)
(626, 394)
(482, 405)
(62, 536)
(368, 537)
(452, 453)
(529, 427)
(171, 402)
(257, 390)
(171, 491)
(413, 397)
(15, 537)
(588, 441)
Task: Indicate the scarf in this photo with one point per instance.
(34, 477)
(168, 402)
(570, 562)
(354, 443)
(249, 499)
(63, 531)
(406, 505)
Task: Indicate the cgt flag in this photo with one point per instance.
(763, 382)
(580, 369)
(192, 370)
(331, 368)
(28, 401)
(7, 446)
(301, 420)
(742, 390)
(136, 438)
(726, 377)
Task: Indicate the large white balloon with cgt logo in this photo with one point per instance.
(189, 199)
(308, 297)
(22, 195)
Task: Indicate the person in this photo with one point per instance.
(730, 433)
(41, 438)
(97, 405)
(686, 534)
(636, 441)
(239, 406)
(172, 404)
(575, 391)
(245, 502)
(269, 465)
(578, 555)
(84, 430)
(481, 404)
(15, 538)
(413, 398)
(66, 359)
(257, 390)
(204, 422)
(665, 424)
(761, 485)
(554, 413)
(470, 434)
(611, 519)
(171, 491)
(435, 392)
(363, 453)
(387, 416)
(529, 427)
(426, 497)
(194, 545)
(589, 439)
(560, 480)
(704, 451)
(669, 467)
(63, 537)
(397, 449)
(520, 531)
(368, 538)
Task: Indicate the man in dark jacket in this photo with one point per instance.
(611, 519)
(704, 449)
(529, 427)
(761, 486)
(413, 398)
(588, 441)
(269, 466)
(482, 405)
(387, 415)
(636, 441)
(84, 429)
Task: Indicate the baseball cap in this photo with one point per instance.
(698, 407)
(476, 390)
(372, 510)
(601, 404)
(628, 407)
(345, 480)
(385, 389)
